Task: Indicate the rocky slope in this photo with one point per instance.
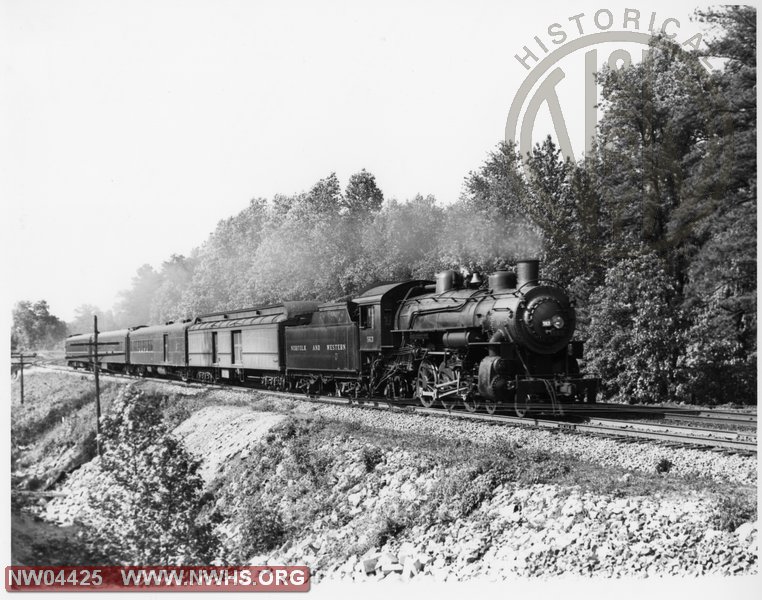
(391, 496)
(365, 494)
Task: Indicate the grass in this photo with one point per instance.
(731, 511)
(49, 401)
(54, 430)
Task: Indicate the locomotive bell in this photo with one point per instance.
(475, 280)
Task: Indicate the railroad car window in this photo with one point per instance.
(366, 317)
(166, 347)
(214, 347)
(237, 347)
(143, 346)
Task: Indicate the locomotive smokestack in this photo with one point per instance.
(528, 272)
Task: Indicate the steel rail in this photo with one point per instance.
(693, 431)
(679, 413)
(613, 428)
(743, 421)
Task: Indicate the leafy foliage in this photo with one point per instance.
(675, 167)
(34, 327)
(289, 464)
(362, 197)
(632, 330)
(732, 511)
(83, 319)
(149, 503)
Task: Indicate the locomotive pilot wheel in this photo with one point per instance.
(471, 402)
(521, 405)
(426, 384)
(490, 405)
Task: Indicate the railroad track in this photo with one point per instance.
(742, 442)
(696, 415)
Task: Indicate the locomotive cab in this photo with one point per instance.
(378, 306)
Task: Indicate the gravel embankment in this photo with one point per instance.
(391, 519)
(638, 456)
(540, 530)
(398, 518)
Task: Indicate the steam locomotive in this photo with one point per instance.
(455, 342)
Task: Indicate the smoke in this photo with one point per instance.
(487, 242)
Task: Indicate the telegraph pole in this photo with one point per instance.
(21, 357)
(97, 386)
(21, 366)
(94, 357)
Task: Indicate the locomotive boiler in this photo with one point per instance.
(508, 341)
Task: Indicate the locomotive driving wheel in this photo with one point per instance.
(426, 384)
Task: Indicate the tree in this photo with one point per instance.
(83, 319)
(146, 509)
(632, 333)
(656, 128)
(362, 196)
(323, 199)
(499, 188)
(223, 266)
(719, 363)
(499, 198)
(176, 275)
(401, 242)
(564, 206)
(34, 327)
(675, 168)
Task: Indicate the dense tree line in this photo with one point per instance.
(34, 327)
(654, 232)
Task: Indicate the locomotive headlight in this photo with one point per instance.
(557, 321)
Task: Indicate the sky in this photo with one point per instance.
(129, 129)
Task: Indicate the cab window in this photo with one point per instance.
(366, 317)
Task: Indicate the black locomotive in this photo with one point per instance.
(455, 342)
